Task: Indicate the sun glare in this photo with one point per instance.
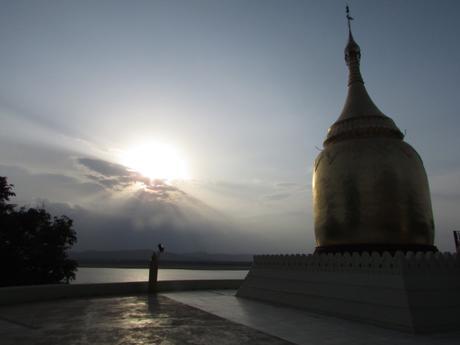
(156, 161)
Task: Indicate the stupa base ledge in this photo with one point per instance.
(416, 293)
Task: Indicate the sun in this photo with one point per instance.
(156, 161)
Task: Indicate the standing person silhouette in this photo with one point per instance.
(153, 269)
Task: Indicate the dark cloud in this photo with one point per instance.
(103, 167)
(142, 221)
(106, 219)
(163, 190)
(111, 183)
(116, 176)
(111, 175)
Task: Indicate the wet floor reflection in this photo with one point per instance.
(150, 319)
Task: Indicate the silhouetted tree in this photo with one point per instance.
(33, 245)
(6, 191)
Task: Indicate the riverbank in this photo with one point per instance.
(198, 265)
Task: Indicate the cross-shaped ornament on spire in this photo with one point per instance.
(349, 18)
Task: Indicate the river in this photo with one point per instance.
(92, 275)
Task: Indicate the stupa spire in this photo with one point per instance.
(359, 113)
(352, 54)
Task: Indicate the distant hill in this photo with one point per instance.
(141, 258)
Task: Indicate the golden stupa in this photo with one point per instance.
(370, 189)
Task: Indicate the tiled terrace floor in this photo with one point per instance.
(121, 320)
(189, 317)
(300, 326)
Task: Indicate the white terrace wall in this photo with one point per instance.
(412, 292)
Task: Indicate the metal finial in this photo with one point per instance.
(349, 18)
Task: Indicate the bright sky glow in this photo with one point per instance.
(156, 161)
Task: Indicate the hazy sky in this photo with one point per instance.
(242, 92)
